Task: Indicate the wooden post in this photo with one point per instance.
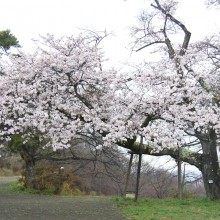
(128, 173)
(138, 176)
(179, 164)
(139, 169)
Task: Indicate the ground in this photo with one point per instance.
(17, 206)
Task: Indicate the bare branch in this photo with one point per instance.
(147, 45)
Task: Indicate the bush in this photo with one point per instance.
(55, 179)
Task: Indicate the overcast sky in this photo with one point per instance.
(29, 18)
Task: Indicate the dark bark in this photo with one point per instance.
(29, 173)
(210, 165)
(28, 156)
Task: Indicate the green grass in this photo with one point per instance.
(17, 187)
(170, 209)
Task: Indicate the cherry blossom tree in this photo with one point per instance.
(195, 108)
(63, 91)
(32, 86)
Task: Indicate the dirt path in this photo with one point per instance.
(14, 206)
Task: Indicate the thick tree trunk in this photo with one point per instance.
(28, 155)
(210, 165)
(29, 173)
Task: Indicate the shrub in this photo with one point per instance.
(55, 179)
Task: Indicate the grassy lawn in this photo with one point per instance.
(167, 209)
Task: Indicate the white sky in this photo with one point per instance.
(28, 18)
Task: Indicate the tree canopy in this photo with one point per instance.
(62, 91)
(7, 40)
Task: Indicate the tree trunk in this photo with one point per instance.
(210, 165)
(28, 155)
(29, 173)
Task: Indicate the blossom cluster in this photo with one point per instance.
(62, 91)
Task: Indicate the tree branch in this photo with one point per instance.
(147, 45)
(188, 156)
(178, 23)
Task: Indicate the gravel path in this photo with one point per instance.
(16, 206)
